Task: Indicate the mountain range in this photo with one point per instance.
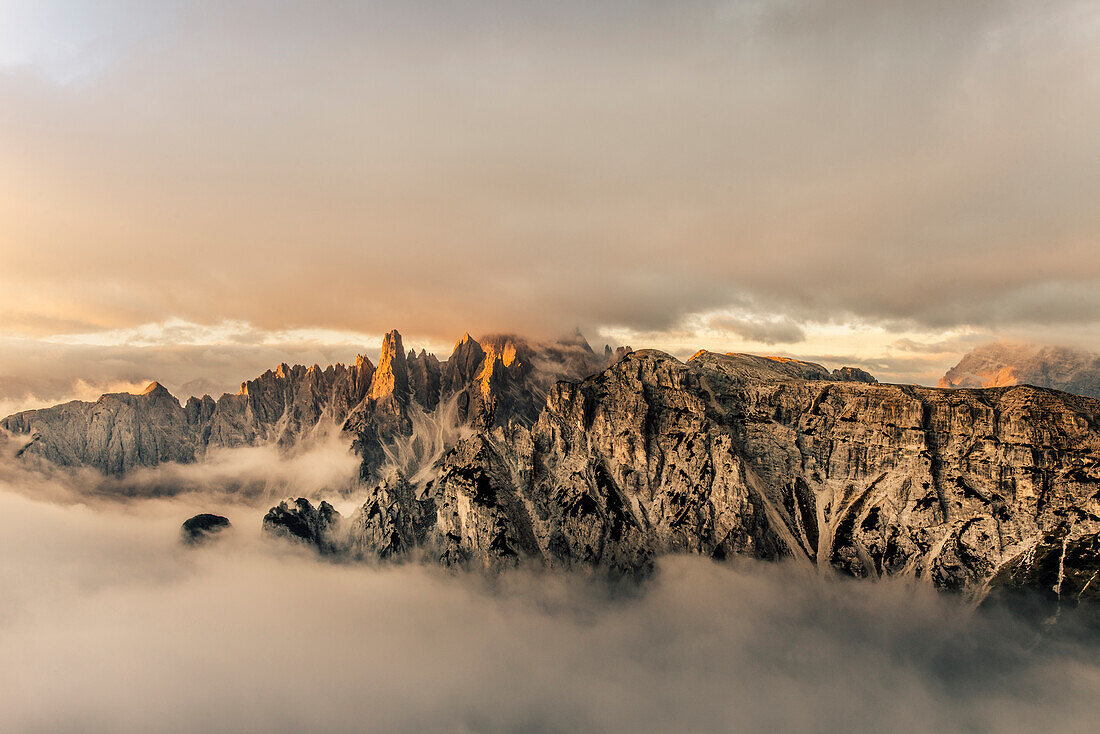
(1001, 364)
(512, 451)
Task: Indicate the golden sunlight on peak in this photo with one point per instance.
(787, 360)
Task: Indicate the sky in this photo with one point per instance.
(196, 191)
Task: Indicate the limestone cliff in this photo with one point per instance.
(734, 454)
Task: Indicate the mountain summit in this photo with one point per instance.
(1001, 364)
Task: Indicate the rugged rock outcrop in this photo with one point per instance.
(1058, 570)
(852, 374)
(749, 366)
(1002, 364)
(392, 523)
(301, 522)
(114, 434)
(202, 527)
(121, 431)
(499, 381)
(736, 454)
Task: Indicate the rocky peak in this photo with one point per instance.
(425, 378)
(361, 377)
(1002, 364)
(578, 339)
(462, 367)
(392, 376)
(300, 521)
(620, 353)
(156, 389)
(853, 374)
(504, 353)
(758, 367)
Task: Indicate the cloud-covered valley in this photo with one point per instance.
(109, 624)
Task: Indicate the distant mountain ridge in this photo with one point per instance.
(1002, 364)
(501, 378)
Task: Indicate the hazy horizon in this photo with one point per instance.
(191, 360)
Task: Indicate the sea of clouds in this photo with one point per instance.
(109, 624)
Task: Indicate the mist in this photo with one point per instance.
(320, 465)
(109, 624)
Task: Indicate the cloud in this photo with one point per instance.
(320, 465)
(108, 624)
(783, 331)
(519, 166)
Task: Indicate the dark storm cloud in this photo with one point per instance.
(490, 165)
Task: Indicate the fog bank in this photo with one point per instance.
(108, 624)
(320, 465)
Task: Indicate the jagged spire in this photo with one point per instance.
(578, 338)
(392, 375)
(464, 363)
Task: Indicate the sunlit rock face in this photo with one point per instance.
(498, 381)
(739, 455)
(515, 452)
(1003, 364)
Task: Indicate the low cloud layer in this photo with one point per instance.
(108, 624)
(321, 465)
